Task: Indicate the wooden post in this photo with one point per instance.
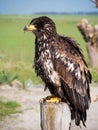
(90, 35)
(55, 116)
(93, 55)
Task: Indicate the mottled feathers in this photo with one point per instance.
(61, 65)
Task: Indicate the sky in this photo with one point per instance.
(35, 6)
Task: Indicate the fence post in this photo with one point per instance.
(55, 116)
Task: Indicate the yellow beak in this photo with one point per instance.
(30, 28)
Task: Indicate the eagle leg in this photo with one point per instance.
(51, 99)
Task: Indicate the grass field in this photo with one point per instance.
(17, 47)
(7, 108)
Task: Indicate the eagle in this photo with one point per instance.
(60, 64)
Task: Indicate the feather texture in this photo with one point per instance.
(61, 65)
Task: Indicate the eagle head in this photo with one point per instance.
(40, 25)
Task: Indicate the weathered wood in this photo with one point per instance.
(90, 35)
(93, 55)
(96, 2)
(55, 116)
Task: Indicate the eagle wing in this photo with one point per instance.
(73, 72)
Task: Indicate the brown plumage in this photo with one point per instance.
(61, 65)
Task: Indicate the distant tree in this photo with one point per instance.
(96, 2)
(90, 35)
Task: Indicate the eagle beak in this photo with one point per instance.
(30, 28)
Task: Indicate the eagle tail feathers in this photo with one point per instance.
(78, 117)
(78, 104)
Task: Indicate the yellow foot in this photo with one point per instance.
(51, 99)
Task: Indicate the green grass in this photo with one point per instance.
(17, 47)
(6, 77)
(7, 108)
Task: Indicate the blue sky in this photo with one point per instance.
(33, 6)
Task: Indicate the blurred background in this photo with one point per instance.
(17, 47)
(20, 88)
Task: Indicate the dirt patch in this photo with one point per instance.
(29, 119)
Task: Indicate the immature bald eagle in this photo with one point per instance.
(61, 65)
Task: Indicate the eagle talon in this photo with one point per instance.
(51, 99)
